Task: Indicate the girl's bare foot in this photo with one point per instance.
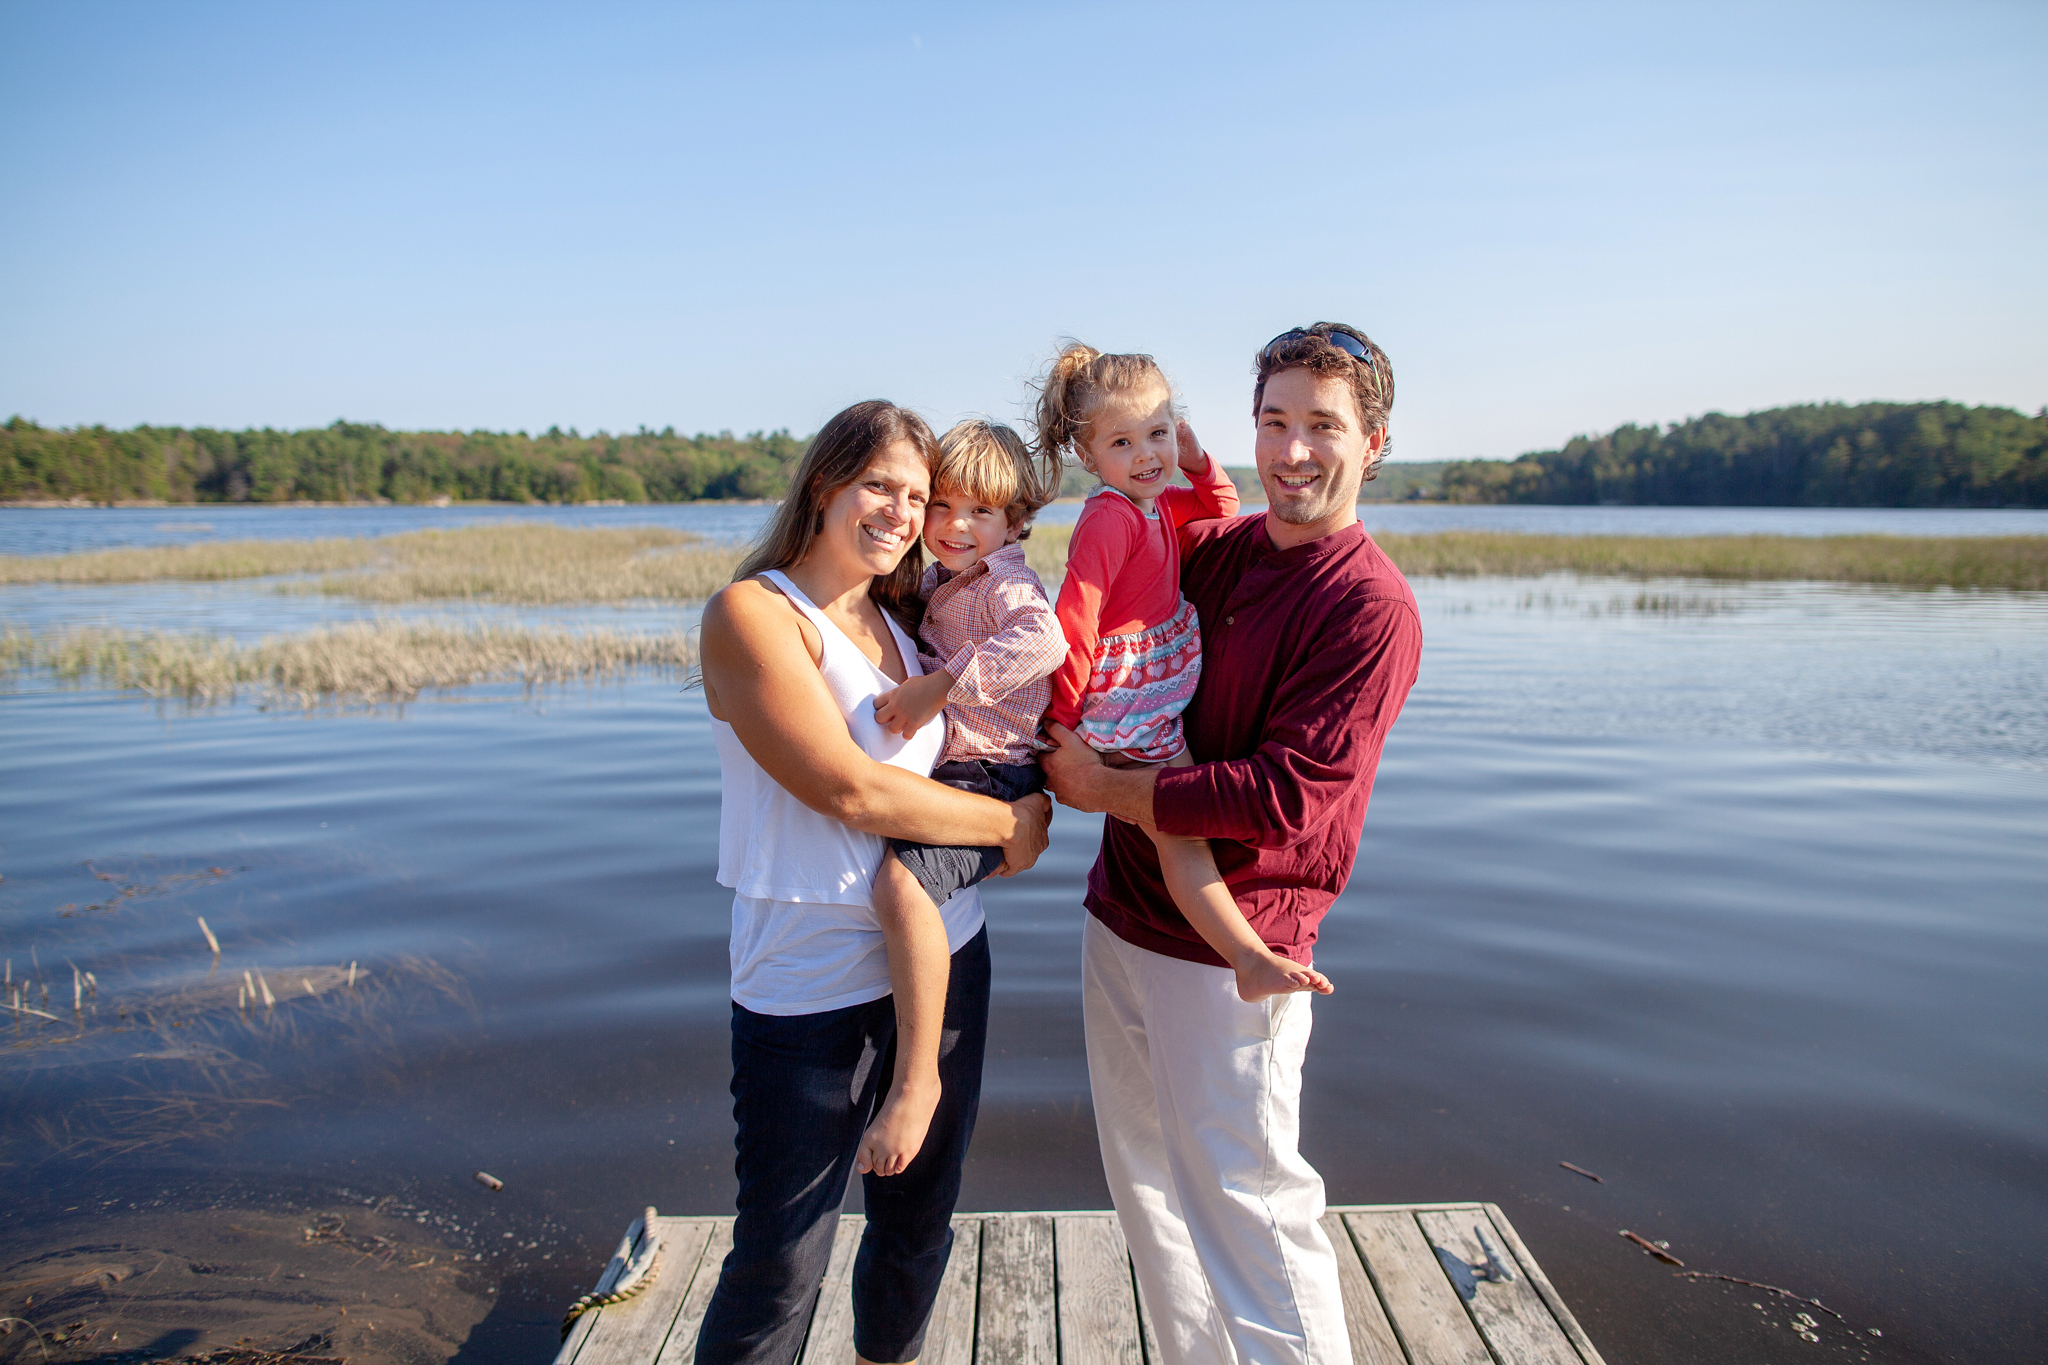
(1264, 973)
(896, 1134)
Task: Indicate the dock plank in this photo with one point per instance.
(1057, 1289)
(633, 1332)
(1511, 1316)
(949, 1339)
(1424, 1310)
(579, 1330)
(1372, 1339)
(681, 1346)
(1148, 1335)
(831, 1339)
(1098, 1312)
(1552, 1300)
(1015, 1323)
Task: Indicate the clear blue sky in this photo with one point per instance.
(1556, 218)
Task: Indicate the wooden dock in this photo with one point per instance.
(1424, 1284)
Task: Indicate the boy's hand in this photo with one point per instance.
(908, 708)
(1193, 458)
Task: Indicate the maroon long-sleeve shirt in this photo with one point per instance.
(1307, 655)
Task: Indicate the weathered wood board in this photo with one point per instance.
(1057, 1289)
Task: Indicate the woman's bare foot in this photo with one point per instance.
(897, 1132)
(1265, 972)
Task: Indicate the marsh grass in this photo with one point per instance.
(535, 563)
(2009, 562)
(532, 563)
(210, 562)
(369, 661)
(2006, 562)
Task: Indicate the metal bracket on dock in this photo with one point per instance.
(1466, 1277)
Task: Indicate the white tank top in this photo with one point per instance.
(804, 934)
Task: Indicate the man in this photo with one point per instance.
(1310, 642)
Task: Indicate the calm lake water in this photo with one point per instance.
(1730, 893)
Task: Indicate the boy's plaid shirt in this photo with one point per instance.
(992, 628)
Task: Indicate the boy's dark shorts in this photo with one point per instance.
(945, 871)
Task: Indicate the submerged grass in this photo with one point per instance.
(535, 563)
(381, 661)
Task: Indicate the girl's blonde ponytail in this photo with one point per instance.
(1074, 386)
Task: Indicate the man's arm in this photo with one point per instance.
(1078, 776)
(763, 681)
(1328, 720)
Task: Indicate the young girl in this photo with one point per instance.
(1134, 649)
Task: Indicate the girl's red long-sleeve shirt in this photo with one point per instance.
(1123, 573)
(1307, 656)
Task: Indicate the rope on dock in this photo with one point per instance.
(630, 1271)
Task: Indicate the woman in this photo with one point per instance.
(805, 632)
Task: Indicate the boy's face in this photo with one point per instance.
(961, 532)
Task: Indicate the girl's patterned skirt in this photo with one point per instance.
(1139, 686)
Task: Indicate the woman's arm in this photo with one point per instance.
(763, 681)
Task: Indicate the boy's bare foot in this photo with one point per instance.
(897, 1132)
(1264, 973)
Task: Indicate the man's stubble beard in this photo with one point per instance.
(1305, 514)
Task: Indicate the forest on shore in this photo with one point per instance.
(363, 462)
(1812, 455)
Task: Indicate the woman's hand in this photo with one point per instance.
(1024, 845)
(906, 708)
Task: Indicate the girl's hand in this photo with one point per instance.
(1193, 458)
(908, 708)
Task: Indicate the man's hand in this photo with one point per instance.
(1079, 777)
(1070, 770)
(1022, 848)
(906, 709)
(1193, 458)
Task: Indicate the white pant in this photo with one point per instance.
(1198, 1106)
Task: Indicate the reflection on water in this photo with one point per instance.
(1728, 893)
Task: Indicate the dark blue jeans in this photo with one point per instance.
(804, 1087)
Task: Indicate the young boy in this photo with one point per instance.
(994, 644)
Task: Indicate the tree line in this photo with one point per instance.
(358, 461)
(1814, 455)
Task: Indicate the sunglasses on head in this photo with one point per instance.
(1343, 341)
